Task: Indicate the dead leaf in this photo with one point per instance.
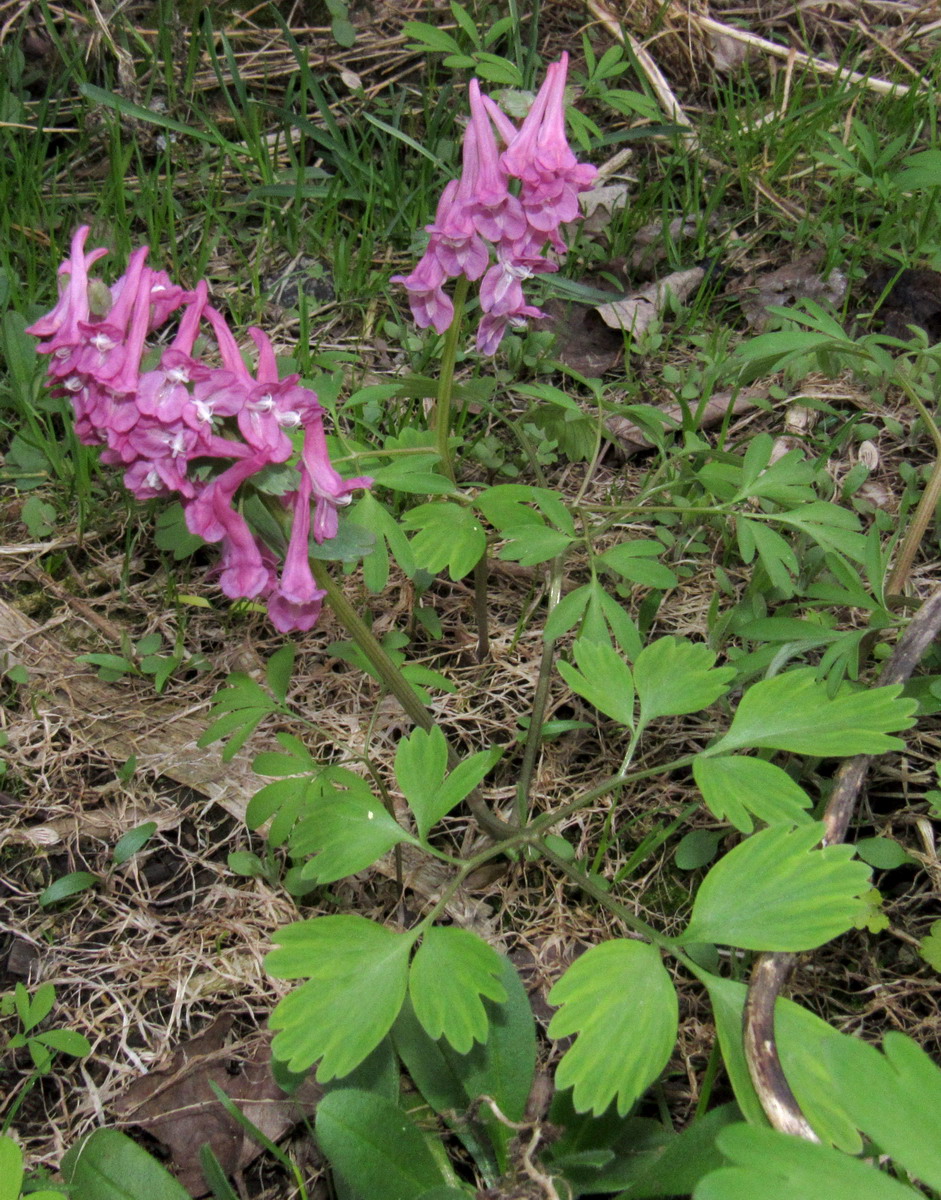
(177, 1106)
(600, 204)
(653, 241)
(635, 313)
(582, 340)
(797, 280)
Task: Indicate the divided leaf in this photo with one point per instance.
(603, 679)
(794, 712)
(737, 788)
(347, 832)
(674, 676)
(620, 1001)
(894, 1098)
(420, 765)
(358, 974)
(451, 971)
(769, 1165)
(775, 892)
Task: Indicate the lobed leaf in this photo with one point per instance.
(794, 712)
(674, 676)
(358, 974)
(347, 832)
(451, 971)
(737, 788)
(603, 679)
(621, 1003)
(775, 892)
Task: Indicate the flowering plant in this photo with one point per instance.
(167, 425)
(480, 208)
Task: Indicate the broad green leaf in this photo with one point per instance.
(347, 832)
(737, 788)
(451, 971)
(882, 853)
(775, 555)
(374, 1147)
(638, 561)
(66, 1041)
(697, 848)
(773, 1166)
(132, 841)
(33, 1011)
(567, 612)
(774, 891)
(803, 1038)
(447, 535)
(620, 1001)
(603, 679)
(502, 1067)
(358, 974)
(793, 712)
(108, 1165)
(11, 1169)
(390, 539)
(894, 1098)
(533, 544)
(674, 676)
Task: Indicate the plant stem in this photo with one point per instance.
(442, 415)
(393, 679)
(926, 505)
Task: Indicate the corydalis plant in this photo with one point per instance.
(172, 425)
(483, 229)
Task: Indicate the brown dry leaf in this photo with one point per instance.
(652, 241)
(177, 1106)
(582, 341)
(913, 299)
(635, 313)
(797, 280)
(601, 203)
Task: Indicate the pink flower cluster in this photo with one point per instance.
(479, 208)
(165, 425)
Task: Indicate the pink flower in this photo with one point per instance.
(428, 301)
(329, 489)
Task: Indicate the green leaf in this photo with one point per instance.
(794, 712)
(802, 1041)
(374, 1148)
(66, 1041)
(33, 1011)
(420, 764)
(882, 853)
(533, 544)
(635, 560)
(451, 971)
(132, 841)
(358, 974)
(775, 892)
(448, 535)
(894, 1098)
(603, 678)
(347, 832)
(618, 995)
(107, 1165)
(770, 1166)
(11, 1169)
(502, 1067)
(67, 886)
(697, 848)
(567, 613)
(674, 676)
(279, 670)
(737, 788)
(930, 948)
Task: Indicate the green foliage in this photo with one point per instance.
(11, 1175)
(618, 993)
(31, 1011)
(774, 891)
(108, 1165)
(375, 1149)
(451, 973)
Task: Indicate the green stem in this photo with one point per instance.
(395, 682)
(442, 417)
(926, 505)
